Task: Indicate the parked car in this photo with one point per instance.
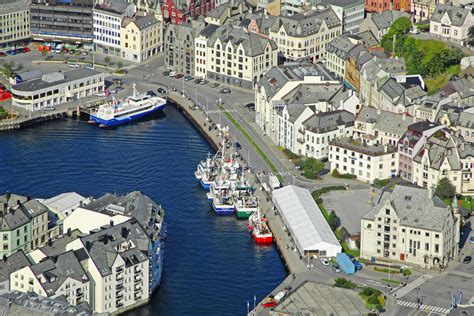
(85, 53)
(249, 106)
(113, 91)
(78, 52)
(188, 78)
(324, 261)
(161, 90)
(66, 51)
(336, 268)
(2, 54)
(323, 172)
(151, 93)
(166, 73)
(203, 82)
(49, 108)
(224, 90)
(179, 76)
(238, 146)
(11, 52)
(26, 49)
(72, 52)
(215, 85)
(357, 265)
(73, 65)
(172, 74)
(471, 240)
(467, 259)
(197, 81)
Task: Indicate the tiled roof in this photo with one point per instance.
(456, 15)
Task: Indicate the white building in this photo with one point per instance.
(57, 88)
(366, 162)
(86, 220)
(305, 222)
(65, 203)
(451, 23)
(107, 20)
(61, 275)
(411, 225)
(351, 13)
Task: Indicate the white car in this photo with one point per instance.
(172, 74)
(73, 65)
(324, 261)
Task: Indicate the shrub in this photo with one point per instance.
(333, 220)
(445, 189)
(406, 272)
(344, 283)
(336, 174)
(368, 291)
(373, 300)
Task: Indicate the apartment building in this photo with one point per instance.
(61, 275)
(351, 13)
(277, 83)
(366, 162)
(451, 23)
(410, 225)
(222, 13)
(39, 222)
(180, 11)
(10, 264)
(305, 36)
(379, 23)
(14, 22)
(117, 266)
(107, 22)
(16, 225)
(411, 143)
(140, 37)
(62, 20)
(423, 9)
(179, 46)
(337, 54)
(57, 88)
(445, 156)
(239, 58)
(380, 6)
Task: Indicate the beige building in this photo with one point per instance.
(14, 22)
(304, 36)
(141, 37)
(237, 57)
(451, 23)
(39, 222)
(410, 225)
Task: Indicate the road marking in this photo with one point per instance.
(429, 308)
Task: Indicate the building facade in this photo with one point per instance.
(140, 37)
(451, 23)
(378, 6)
(57, 88)
(411, 225)
(179, 11)
(351, 13)
(62, 20)
(14, 22)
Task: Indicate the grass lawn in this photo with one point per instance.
(434, 84)
(390, 281)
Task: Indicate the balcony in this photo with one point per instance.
(119, 278)
(79, 293)
(137, 278)
(300, 140)
(119, 270)
(119, 287)
(138, 296)
(137, 269)
(119, 304)
(119, 297)
(137, 288)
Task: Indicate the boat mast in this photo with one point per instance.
(134, 89)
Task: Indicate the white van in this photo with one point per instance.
(59, 49)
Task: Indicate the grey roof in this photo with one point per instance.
(65, 77)
(295, 110)
(117, 7)
(441, 146)
(263, 21)
(31, 74)
(312, 93)
(57, 269)
(463, 86)
(58, 246)
(361, 147)
(456, 15)
(9, 6)
(415, 208)
(141, 21)
(398, 94)
(344, 3)
(32, 304)
(324, 122)
(134, 204)
(391, 65)
(253, 44)
(12, 199)
(104, 244)
(301, 25)
(361, 55)
(367, 38)
(275, 78)
(385, 19)
(34, 207)
(14, 262)
(341, 46)
(16, 217)
(384, 121)
(466, 119)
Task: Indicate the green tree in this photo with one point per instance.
(399, 29)
(7, 69)
(344, 233)
(311, 167)
(107, 60)
(470, 40)
(119, 65)
(445, 189)
(333, 220)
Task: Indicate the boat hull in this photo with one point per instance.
(243, 214)
(262, 239)
(205, 185)
(125, 119)
(223, 209)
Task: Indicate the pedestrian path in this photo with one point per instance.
(412, 285)
(425, 308)
(217, 111)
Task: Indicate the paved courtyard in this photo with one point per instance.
(349, 205)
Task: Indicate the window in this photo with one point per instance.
(387, 212)
(436, 235)
(436, 250)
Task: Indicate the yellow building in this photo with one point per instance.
(14, 22)
(141, 37)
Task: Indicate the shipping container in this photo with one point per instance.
(345, 263)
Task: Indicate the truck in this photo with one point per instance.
(274, 182)
(345, 263)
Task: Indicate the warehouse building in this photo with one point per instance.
(304, 220)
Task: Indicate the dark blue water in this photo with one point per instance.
(212, 267)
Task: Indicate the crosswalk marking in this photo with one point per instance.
(428, 308)
(217, 111)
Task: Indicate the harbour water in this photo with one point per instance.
(212, 266)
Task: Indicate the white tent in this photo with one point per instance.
(305, 222)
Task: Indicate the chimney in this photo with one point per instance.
(124, 232)
(69, 231)
(88, 246)
(111, 223)
(4, 257)
(18, 202)
(50, 242)
(461, 145)
(404, 116)
(54, 258)
(379, 111)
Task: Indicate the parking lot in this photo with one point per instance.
(349, 205)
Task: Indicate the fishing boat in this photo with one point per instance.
(223, 204)
(259, 228)
(245, 206)
(218, 187)
(136, 106)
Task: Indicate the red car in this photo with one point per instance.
(178, 76)
(270, 304)
(65, 51)
(26, 49)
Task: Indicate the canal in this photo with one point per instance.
(212, 266)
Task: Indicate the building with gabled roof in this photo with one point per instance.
(379, 23)
(451, 23)
(411, 225)
(15, 261)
